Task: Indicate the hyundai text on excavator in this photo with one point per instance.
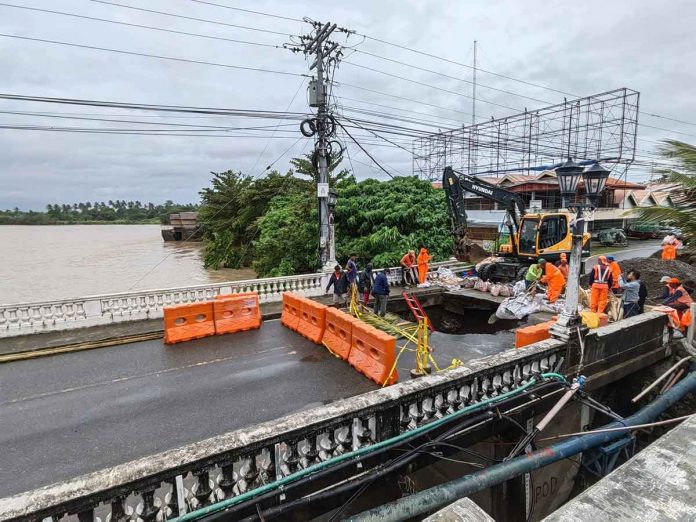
(532, 236)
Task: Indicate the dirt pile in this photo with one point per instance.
(651, 270)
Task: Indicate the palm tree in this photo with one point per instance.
(683, 214)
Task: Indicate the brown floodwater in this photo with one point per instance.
(40, 263)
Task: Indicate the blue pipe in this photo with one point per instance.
(437, 497)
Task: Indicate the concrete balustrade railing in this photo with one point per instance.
(67, 314)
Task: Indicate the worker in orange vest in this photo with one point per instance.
(615, 274)
(423, 260)
(563, 265)
(600, 281)
(669, 248)
(677, 296)
(553, 279)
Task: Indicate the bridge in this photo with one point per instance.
(139, 429)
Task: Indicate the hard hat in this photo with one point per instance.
(602, 259)
(541, 260)
(665, 279)
(610, 258)
(674, 281)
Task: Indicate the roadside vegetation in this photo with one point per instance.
(271, 223)
(113, 212)
(683, 215)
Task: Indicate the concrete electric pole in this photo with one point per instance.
(326, 54)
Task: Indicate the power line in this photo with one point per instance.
(174, 15)
(140, 26)
(249, 11)
(420, 102)
(427, 85)
(365, 151)
(448, 76)
(110, 120)
(146, 55)
(459, 121)
(249, 113)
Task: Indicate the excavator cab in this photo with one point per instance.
(545, 235)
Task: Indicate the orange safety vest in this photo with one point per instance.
(685, 298)
(615, 273)
(601, 276)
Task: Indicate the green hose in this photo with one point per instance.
(209, 510)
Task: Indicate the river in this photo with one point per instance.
(41, 263)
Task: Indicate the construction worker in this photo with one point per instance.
(553, 279)
(534, 272)
(615, 274)
(423, 260)
(600, 281)
(669, 247)
(381, 292)
(563, 265)
(339, 283)
(365, 282)
(677, 298)
(408, 270)
(352, 271)
(631, 286)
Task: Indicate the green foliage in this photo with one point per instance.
(683, 215)
(381, 220)
(288, 233)
(271, 223)
(113, 211)
(230, 211)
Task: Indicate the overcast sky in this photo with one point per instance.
(579, 47)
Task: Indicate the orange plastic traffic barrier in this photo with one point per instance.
(338, 332)
(187, 322)
(373, 353)
(290, 316)
(237, 314)
(533, 334)
(312, 320)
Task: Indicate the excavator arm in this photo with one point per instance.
(456, 183)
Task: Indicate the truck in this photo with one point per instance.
(530, 235)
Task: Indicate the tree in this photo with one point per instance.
(288, 234)
(683, 215)
(231, 208)
(380, 220)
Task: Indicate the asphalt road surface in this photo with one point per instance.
(66, 415)
(636, 248)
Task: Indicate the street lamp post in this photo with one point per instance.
(333, 198)
(595, 179)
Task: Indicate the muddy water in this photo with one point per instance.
(54, 262)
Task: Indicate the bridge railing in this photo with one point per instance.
(67, 314)
(181, 480)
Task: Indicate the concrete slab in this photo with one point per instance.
(657, 484)
(463, 510)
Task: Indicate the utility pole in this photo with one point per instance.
(326, 54)
(473, 160)
(473, 96)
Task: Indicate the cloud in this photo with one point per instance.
(582, 48)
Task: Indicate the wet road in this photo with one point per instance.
(635, 249)
(71, 414)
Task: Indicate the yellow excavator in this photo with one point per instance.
(532, 236)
